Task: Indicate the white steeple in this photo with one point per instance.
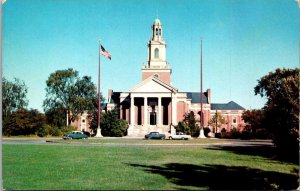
(157, 47)
(156, 30)
(157, 64)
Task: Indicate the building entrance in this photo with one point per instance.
(152, 118)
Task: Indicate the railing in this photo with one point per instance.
(146, 66)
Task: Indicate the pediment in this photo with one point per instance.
(153, 84)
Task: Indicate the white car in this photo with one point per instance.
(181, 136)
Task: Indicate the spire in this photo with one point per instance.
(157, 64)
(157, 30)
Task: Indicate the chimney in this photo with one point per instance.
(208, 96)
(110, 92)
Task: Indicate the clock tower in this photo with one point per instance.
(157, 65)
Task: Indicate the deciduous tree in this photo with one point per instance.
(111, 125)
(13, 96)
(23, 122)
(56, 116)
(217, 121)
(281, 88)
(253, 119)
(183, 127)
(190, 120)
(66, 90)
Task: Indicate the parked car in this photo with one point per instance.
(155, 135)
(75, 135)
(181, 136)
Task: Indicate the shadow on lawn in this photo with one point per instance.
(220, 177)
(266, 151)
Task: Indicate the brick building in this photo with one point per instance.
(155, 103)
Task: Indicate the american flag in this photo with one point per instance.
(105, 53)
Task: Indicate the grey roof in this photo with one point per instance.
(115, 97)
(226, 106)
(195, 96)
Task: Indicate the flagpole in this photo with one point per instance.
(99, 95)
(201, 135)
(201, 94)
(1, 122)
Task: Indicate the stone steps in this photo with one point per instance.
(140, 131)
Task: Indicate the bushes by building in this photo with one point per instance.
(54, 131)
(245, 134)
(111, 124)
(23, 122)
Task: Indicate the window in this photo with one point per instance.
(156, 31)
(156, 53)
(234, 120)
(159, 32)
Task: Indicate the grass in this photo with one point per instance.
(124, 141)
(73, 167)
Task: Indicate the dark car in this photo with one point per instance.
(155, 135)
(75, 135)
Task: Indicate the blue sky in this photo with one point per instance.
(242, 41)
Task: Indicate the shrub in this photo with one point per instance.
(218, 135)
(49, 130)
(235, 134)
(232, 134)
(206, 131)
(183, 127)
(42, 132)
(67, 129)
(246, 135)
(263, 134)
(87, 133)
(23, 122)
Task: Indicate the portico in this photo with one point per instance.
(149, 110)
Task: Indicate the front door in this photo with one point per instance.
(152, 118)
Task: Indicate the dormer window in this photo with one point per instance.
(156, 53)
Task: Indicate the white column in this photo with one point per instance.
(132, 113)
(174, 110)
(159, 111)
(145, 111)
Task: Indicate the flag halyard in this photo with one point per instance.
(105, 52)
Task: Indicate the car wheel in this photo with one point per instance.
(182, 138)
(70, 138)
(170, 138)
(162, 138)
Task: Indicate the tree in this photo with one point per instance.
(110, 123)
(56, 117)
(253, 119)
(23, 122)
(66, 90)
(13, 96)
(190, 120)
(217, 121)
(183, 127)
(281, 88)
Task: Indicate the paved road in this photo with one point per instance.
(57, 141)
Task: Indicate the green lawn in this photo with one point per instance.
(141, 141)
(75, 167)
